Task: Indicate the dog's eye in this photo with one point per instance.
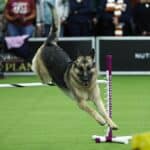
(80, 68)
(88, 68)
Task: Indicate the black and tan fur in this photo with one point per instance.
(76, 78)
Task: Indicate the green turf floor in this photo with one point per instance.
(43, 118)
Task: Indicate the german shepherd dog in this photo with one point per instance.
(77, 78)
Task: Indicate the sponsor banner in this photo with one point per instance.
(15, 66)
(72, 46)
(129, 54)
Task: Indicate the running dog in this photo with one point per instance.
(77, 78)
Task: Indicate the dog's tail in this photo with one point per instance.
(53, 34)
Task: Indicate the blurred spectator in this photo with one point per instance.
(133, 2)
(94, 21)
(2, 23)
(79, 20)
(141, 13)
(20, 15)
(115, 17)
(44, 16)
(2, 6)
(62, 8)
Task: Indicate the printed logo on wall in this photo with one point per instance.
(16, 67)
(142, 55)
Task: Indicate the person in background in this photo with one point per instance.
(115, 17)
(141, 15)
(95, 4)
(2, 23)
(44, 16)
(79, 19)
(20, 16)
(62, 8)
(2, 6)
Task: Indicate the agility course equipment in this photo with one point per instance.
(108, 137)
(34, 84)
(21, 85)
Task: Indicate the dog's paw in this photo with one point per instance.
(114, 127)
(102, 123)
(100, 120)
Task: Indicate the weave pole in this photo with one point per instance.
(108, 137)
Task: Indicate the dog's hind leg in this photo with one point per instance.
(43, 73)
(39, 68)
(84, 106)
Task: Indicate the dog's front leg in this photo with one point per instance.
(101, 109)
(84, 106)
(100, 106)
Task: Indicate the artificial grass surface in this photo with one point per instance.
(43, 118)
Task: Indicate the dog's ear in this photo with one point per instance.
(92, 53)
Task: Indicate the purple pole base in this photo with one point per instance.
(117, 139)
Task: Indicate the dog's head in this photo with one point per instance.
(84, 68)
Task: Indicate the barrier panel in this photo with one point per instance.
(131, 55)
(70, 45)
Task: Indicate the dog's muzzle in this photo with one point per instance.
(86, 78)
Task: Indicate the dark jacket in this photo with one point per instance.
(141, 13)
(80, 12)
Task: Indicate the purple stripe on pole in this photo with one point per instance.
(109, 63)
(109, 69)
